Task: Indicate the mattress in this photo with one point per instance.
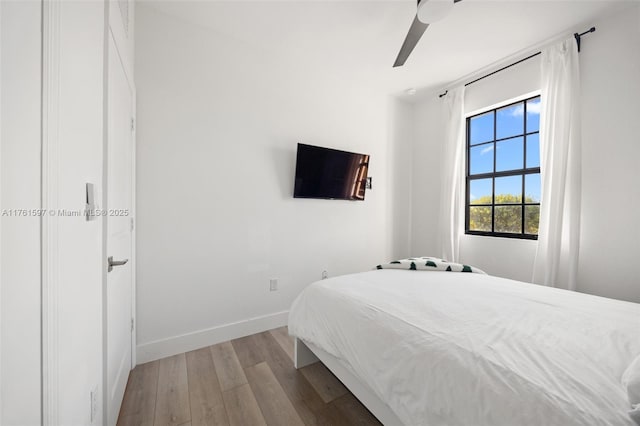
(445, 348)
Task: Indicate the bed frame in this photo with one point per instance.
(306, 353)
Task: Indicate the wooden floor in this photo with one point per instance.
(248, 381)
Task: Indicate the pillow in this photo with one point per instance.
(429, 264)
(631, 381)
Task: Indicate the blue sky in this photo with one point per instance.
(509, 152)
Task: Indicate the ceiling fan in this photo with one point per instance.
(429, 11)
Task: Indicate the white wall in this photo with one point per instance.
(76, 143)
(610, 65)
(80, 255)
(218, 123)
(610, 237)
(426, 173)
(400, 150)
(20, 189)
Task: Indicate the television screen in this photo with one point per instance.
(330, 173)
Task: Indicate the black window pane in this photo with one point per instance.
(533, 115)
(480, 219)
(508, 219)
(481, 159)
(480, 191)
(503, 149)
(533, 150)
(510, 121)
(531, 219)
(509, 190)
(481, 128)
(510, 154)
(532, 188)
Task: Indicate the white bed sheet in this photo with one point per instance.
(446, 348)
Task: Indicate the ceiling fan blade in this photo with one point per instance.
(413, 36)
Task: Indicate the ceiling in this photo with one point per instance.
(365, 36)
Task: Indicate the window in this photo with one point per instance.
(503, 171)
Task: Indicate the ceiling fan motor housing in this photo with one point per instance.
(430, 11)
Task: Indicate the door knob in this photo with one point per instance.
(113, 263)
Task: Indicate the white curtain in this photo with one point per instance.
(452, 198)
(556, 261)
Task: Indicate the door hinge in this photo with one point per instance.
(132, 325)
(133, 124)
(132, 225)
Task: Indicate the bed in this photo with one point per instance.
(439, 348)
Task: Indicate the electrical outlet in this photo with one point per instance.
(325, 275)
(94, 404)
(273, 284)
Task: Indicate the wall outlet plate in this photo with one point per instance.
(94, 404)
(325, 275)
(273, 284)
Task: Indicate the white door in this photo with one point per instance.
(119, 325)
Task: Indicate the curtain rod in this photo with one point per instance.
(577, 36)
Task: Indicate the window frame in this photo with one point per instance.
(524, 171)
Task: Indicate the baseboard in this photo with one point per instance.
(162, 348)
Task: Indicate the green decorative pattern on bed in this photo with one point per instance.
(429, 264)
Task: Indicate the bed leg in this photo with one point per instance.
(302, 355)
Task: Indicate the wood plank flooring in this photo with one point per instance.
(249, 381)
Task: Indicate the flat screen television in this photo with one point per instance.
(330, 174)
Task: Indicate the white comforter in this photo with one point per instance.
(468, 349)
